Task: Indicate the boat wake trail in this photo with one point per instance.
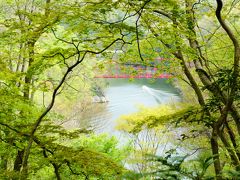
(160, 96)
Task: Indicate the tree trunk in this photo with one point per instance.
(4, 162)
(215, 153)
(18, 160)
(191, 79)
(28, 77)
(233, 139)
(56, 171)
(229, 148)
(236, 117)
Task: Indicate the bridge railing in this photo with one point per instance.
(135, 70)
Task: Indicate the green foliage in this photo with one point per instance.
(89, 156)
(176, 166)
(144, 117)
(190, 120)
(40, 40)
(163, 115)
(173, 165)
(104, 144)
(89, 162)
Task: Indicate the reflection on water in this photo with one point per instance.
(123, 96)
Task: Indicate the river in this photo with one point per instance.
(124, 96)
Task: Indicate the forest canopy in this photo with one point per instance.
(50, 54)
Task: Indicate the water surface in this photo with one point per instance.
(124, 97)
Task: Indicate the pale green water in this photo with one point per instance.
(124, 96)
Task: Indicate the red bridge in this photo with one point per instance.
(135, 70)
(147, 75)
